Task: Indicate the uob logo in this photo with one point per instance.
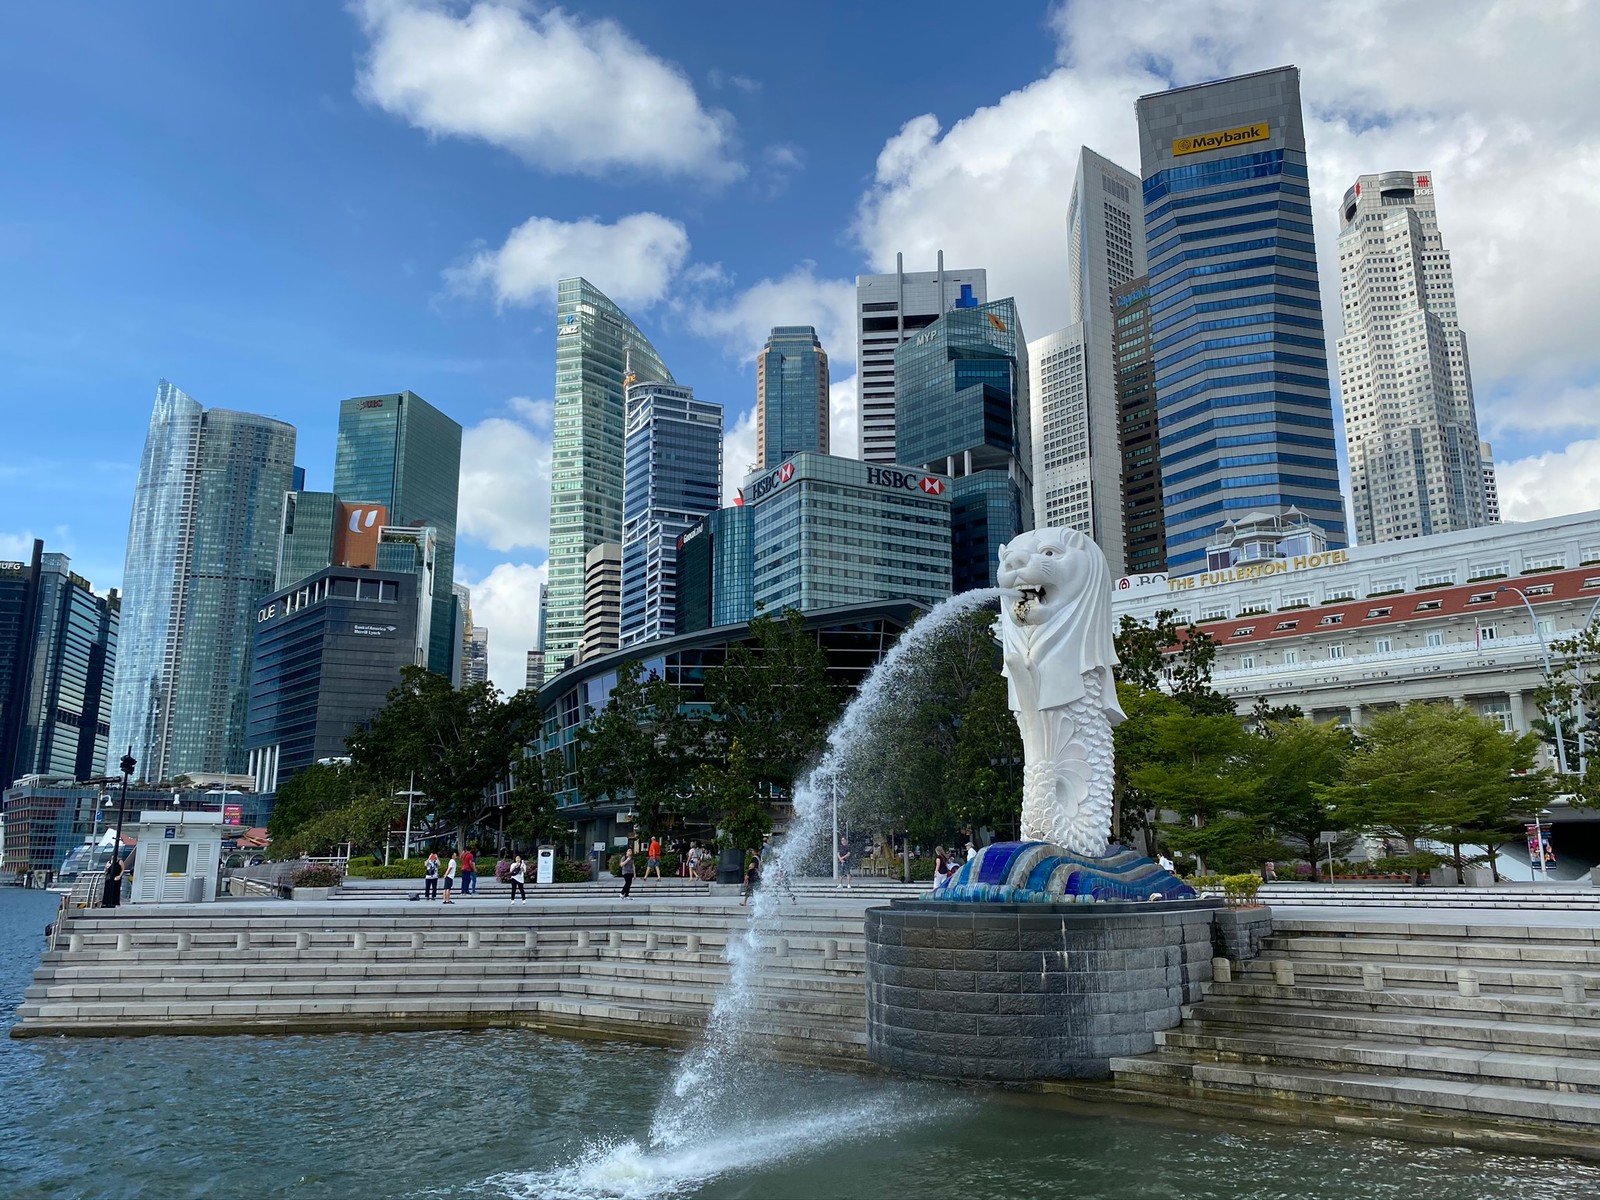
(362, 518)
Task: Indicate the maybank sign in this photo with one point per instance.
(1235, 574)
(1220, 140)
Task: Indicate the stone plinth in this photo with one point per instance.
(1013, 992)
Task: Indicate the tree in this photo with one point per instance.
(1290, 761)
(1180, 655)
(727, 791)
(1440, 773)
(459, 742)
(1194, 767)
(319, 789)
(531, 812)
(635, 749)
(775, 698)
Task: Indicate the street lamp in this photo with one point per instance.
(1538, 842)
(1549, 679)
(411, 795)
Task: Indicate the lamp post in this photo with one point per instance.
(411, 795)
(1538, 844)
(1549, 679)
(833, 850)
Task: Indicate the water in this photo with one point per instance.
(724, 1072)
(507, 1114)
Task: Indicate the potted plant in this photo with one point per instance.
(315, 882)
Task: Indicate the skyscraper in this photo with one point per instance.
(791, 395)
(1491, 488)
(602, 600)
(1144, 528)
(1077, 473)
(58, 651)
(716, 570)
(964, 414)
(1244, 406)
(889, 309)
(1404, 379)
(398, 451)
(829, 532)
(202, 550)
(596, 346)
(672, 476)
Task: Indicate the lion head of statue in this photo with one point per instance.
(1056, 625)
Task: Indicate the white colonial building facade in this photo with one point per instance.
(1464, 616)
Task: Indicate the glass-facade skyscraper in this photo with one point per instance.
(202, 550)
(962, 411)
(597, 347)
(1241, 361)
(716, 568)
(58, 654)
(399, 451)
(791, 395)
(672, 476)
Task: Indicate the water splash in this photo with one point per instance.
(728, 1053)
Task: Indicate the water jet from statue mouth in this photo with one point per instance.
(1027, 599)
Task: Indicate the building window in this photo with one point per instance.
(1428, 606)
(1282, 625)
(1335, 651)
(1485, 634)
(1373, 613)
(1291, 656)
(1436, 639)
(1332, 619)
(1487, 570)
(1247, 661)
(1544, 562)
(1542, 589)
(1396, 584)
(1435, 578)
(1384, 645)
(1214, 614)
(1296, 601)
(1481, 598)
(1244, 631)
(1547, 627)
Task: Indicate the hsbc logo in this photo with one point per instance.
(906, 481)
(785, 472)
(372, 404)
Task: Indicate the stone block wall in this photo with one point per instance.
(1026, 991)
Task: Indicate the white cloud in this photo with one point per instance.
(631, 261)
(506, 601)
(17, 547)
(505, 478)
(742, 322)
(738, 452)
(1550, 485)
(561, 92)
(1497, 99)
(844, 431)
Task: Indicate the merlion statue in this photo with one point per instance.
(1056, 642)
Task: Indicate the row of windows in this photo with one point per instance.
(1275, 279)
(1219, 171)
(1177, 204)
(1249, 439)
(1255, 318)
(1243, 481)
(1274, 299)
(1160, 267)
(1232, 381)
(1227, 214)
(1254, 460)
(1241, 339)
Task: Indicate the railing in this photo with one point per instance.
(1485, 655)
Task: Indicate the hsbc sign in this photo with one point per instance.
(908, 481)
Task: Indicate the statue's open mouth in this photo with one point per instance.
(1026, 598)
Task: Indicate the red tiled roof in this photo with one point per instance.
(1583, 583)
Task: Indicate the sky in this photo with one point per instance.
(279, 205)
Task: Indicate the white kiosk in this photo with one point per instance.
(547, 865)
(178, 858)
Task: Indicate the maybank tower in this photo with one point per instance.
(1241, 360)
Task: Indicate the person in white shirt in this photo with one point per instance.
(518, 875)
(450, 876)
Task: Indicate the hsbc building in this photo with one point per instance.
(831, 531)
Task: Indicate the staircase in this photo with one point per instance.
(650, 972)
(1483, 1034)
(1505, 896)
(863, 889)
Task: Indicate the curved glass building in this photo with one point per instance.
(202, 549)
(599, 351)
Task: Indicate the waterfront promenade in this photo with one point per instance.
(1460, 1016)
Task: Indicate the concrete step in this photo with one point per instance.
(1330, 1053)
(1329, 997)
(1468, 952)
(1466, 1099)
(1400, 1027)
(1513, 978)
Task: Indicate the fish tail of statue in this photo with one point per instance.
(1067, 780)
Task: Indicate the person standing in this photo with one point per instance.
(430, 878)
(111, 896)
(845, 863)
(653, 863)
(518, 876)
(627, 870)
(943, 868)
(469, 872)
(451, 870)
(752, 877)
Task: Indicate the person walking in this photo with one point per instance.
(752, 877)
(627, 870)
(518, 876)
(653, 863)
(469, 873)
(451, 870)
(943, 868)
(111, 895)
(845, 863)
(430, 878)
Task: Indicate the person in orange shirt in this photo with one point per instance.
(653, 863)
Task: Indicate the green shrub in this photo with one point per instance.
(567, 871)
(361, 860)
(669, 863)
(400, 868)
(922, 870)
(1204, 883)
(1240, 890)
(317, 877)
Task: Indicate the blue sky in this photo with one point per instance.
(280, 205)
